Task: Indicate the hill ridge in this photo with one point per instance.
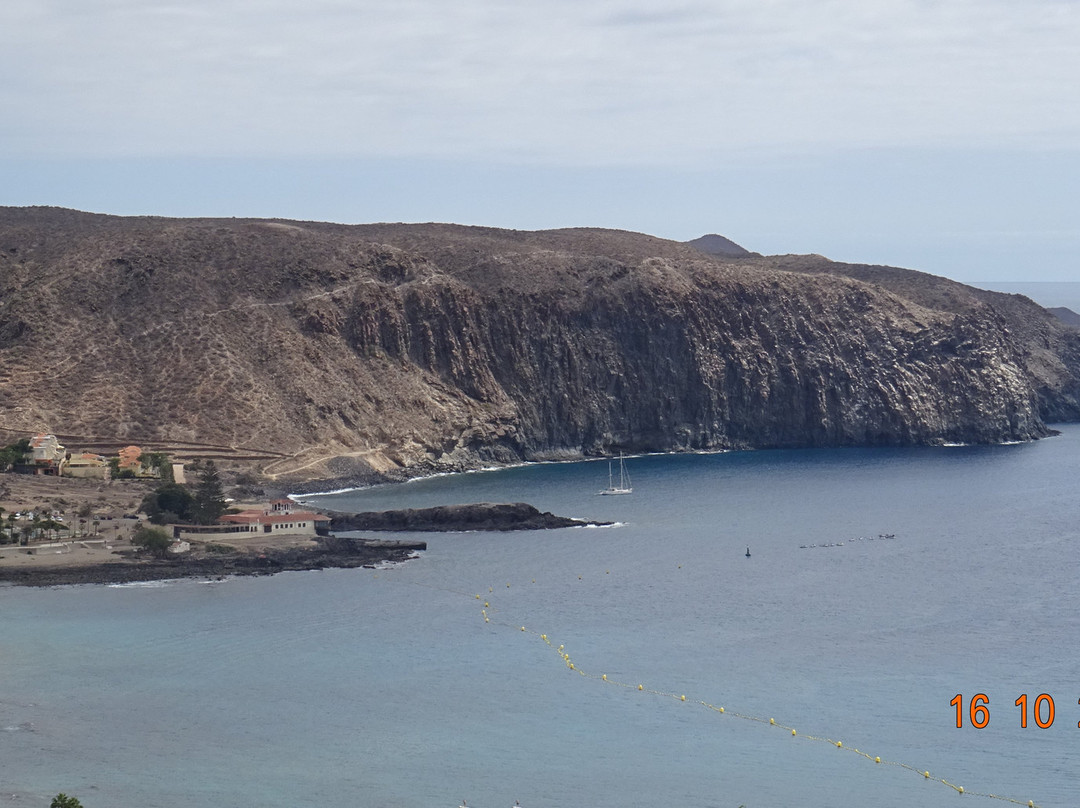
(402, 348)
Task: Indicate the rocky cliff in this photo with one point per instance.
(385, 348)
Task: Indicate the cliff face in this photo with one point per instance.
(403, 346)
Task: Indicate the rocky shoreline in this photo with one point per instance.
(333, 552)
(96, 562)
(446, 518)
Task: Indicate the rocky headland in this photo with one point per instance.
(476, 516)
(101, 551)
(361, 353)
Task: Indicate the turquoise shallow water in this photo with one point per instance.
(388, 688)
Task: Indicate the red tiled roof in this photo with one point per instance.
(264, 518)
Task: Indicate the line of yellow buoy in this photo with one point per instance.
(681, 697)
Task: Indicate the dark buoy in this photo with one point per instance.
(747, 552)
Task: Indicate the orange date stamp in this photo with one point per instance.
(1041, 710)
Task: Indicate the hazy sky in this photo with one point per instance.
(943, 135)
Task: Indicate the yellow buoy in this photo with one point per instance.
(543, 637)
(721, 709)
(684, 698)
(877, 760)
(641, 687)
(478, 597)
(772, 721)
(523, 628)
(960, 789)
(571, 666)
(926, 775)
(486, 604)
(604, 677)
(793, 732)
(839, 745)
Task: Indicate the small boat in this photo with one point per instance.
(624, 480)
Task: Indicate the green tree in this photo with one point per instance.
(154, 539)
(14, 453)
(160, 462)
(62, 800)
(51, 527)
(169, 503)
(209, 495)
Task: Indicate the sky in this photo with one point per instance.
(941, 135)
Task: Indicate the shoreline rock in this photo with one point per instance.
(335, 552)
(328, 552)
(475, 516)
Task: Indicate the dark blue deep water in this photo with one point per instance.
(389, 688)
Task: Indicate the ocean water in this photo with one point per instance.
(1050, 294)
(390, 688)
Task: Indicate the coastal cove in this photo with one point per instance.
(97, 561)
(415, 685)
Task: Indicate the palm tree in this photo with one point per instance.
(48, 525)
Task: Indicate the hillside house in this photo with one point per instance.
(129, 459)
(46, 456)
(87, 465)
(130, 463)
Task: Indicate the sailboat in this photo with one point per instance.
(624, 480)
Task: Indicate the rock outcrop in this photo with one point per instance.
(489, 516)
(395, 349)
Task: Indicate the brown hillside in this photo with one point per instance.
(390, 347)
